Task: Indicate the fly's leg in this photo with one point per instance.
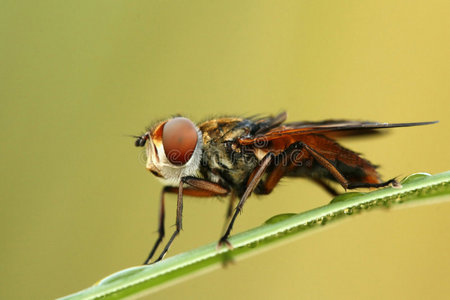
(272, 180)
(205, 185)
(288, 159)
(230, 206)
(178, 223)
(198, 188)
(392, 182)
(265, 162)
(266, 187)
(282, 164)
(161, 230)
(327, 165)
(231, 202)
(339, 177)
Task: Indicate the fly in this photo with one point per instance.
(235, 157)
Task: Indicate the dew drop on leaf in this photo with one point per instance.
(279, 218)
(345, 196)
(415, 177)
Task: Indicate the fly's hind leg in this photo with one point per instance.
(340, 178)
(283, 163)
(272, 179)
(328, 165)
(392, 182)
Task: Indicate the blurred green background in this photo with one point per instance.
(76, 77)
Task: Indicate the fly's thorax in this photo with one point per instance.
(174, 150)
(226, 165)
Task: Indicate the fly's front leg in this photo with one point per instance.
(161, 230)
(265, 162)
(178, 223)
(198, 188)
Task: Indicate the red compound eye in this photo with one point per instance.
(179, 140)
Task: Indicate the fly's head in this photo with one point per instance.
(173, 148)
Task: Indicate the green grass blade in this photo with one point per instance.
(417, 189)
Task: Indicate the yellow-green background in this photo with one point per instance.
(77, 76)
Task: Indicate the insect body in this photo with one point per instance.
(236, 157)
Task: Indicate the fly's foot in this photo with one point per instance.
(396, 184)
(224, 241)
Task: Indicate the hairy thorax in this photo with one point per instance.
(222, 161)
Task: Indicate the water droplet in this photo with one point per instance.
(348, 211)
(279, 218)
(345, 196)
(356, 209)
(311, 223)
(253, 245)
(122, 274)
(364, 206)
(301, 227)
(415, 177)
